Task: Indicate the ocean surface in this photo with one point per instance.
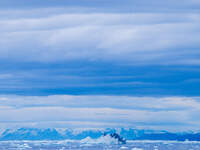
(94, 145)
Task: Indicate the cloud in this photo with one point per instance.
(135, 38)
(109, 6)
(97, 49)
(114, 111)
(143, 103)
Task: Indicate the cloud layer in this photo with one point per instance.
(170, 113)
(133, 38)
(90, 50)
(100, 51)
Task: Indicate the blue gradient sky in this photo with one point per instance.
(100, 50)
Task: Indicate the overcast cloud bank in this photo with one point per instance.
(130, 64)
(133, 38)
(169, 113)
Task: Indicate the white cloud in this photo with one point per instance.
(129, 102)
(128, 38)
(103, 110)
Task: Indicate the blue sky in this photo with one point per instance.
(95, 52)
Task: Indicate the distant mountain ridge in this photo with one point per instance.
(79, 134)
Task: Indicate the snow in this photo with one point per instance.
(123, 147)
(136, 148)
(77, 131)
(102, 140)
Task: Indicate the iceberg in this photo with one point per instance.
(116, 135)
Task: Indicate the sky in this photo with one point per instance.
(100, 63)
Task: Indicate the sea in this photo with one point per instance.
(94, 145)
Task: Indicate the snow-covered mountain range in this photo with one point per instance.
(80, 134)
